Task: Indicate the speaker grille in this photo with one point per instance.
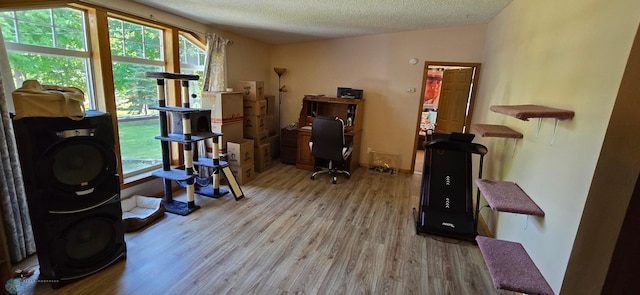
(87, 239)
(82, 243)
(77, 164)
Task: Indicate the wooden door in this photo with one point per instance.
(454, 96)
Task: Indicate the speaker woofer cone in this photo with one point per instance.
(88, 240)
(76, 164)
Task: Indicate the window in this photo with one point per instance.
(192, 60)
(136, 49)
(48, 45)
(52, 46)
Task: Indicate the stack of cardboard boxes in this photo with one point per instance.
(249, 124)
(241, 160)
(227, 115)
(255, 122)
(273, 125)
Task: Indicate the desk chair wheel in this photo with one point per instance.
(313, 177)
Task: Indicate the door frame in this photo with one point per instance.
(472, 98)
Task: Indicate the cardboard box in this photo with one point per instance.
(262, 152)
(271, 104)
(273, 125)
(230, 132)
(255, 121)
(240, 153)
(255, 128)
(255, 108)
(252, 90)
(263, 165)
(244, 173)
(226, 107)
(262, 157)
(259, 136)
(274, 146)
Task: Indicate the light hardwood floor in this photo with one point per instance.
(417, 165)
(292, 235)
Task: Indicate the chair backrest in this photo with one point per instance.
(327, 135)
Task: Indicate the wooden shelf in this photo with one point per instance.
(488, 130)
(511, 268)
(506, 196)
(527, 111)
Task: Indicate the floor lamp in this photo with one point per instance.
(280, 72)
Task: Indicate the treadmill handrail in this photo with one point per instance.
(446, 144)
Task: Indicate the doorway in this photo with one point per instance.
(446, 104)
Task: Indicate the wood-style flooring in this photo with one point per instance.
(419, 162)
(292, 235)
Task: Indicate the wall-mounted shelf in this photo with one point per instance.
(489, 130)
(506, 196)
(525, 112)
(511, 268)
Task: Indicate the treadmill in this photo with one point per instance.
(446, 194)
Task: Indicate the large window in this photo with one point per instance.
(136, 49)
(48, 45)
(192, 60)
(52, 45)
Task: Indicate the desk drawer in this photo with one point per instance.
(288, 154)
(289, 137)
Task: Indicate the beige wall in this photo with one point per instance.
(564, 54)
(610, 194)
(380, 66)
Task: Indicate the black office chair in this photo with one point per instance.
(328, 143)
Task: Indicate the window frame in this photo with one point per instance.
(100, 62)
(55, 51)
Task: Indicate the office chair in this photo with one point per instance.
(328, 143)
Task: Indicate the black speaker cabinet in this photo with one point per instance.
(73, 193)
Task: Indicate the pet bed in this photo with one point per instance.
(139, 211)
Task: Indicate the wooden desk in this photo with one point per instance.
(349, 110)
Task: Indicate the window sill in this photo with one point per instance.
(137, 179)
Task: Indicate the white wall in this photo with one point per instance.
(563, 54)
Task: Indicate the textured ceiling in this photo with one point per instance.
(287, 21)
